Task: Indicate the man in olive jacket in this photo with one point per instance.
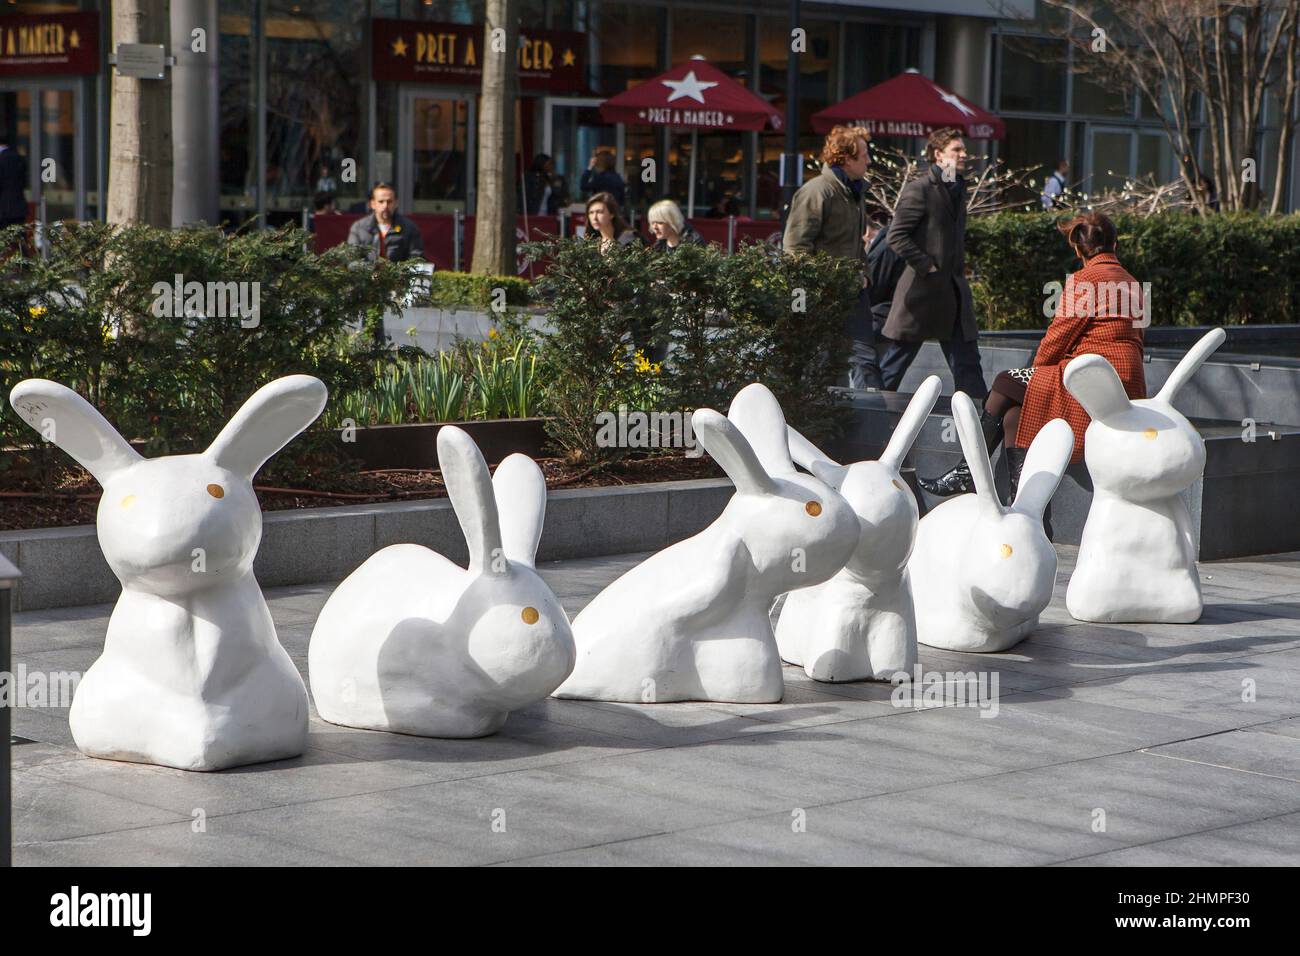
(933, 299)
(829, 214)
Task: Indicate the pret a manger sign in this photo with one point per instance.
(49, 43)
(417, 51)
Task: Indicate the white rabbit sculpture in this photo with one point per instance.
(1137, 561)
(861, 624)
(982, 572)
(691, 622)
(192, 674)
(413, 643)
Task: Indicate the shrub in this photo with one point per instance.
(108, 327)
(753, 316)
(1233, 269)
(478, 291)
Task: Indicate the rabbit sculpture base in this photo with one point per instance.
(719, 647)
(692, 622)
(847, 630)
(192, 675)
(1137, 564)
(1137, 558)
(135, 704)
(413, 643)
(861, 624)
(385, 664)
(969, 617)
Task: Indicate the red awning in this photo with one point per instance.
(692, 95)
(910, 105)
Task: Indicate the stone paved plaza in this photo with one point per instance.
(1186, 738)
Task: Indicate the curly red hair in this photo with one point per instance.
(843, 142)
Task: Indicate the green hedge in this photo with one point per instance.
(466, 288)
(757, 315)
(91, 316)
(1232, 269)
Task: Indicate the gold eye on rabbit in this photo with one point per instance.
(981, 571)
(413, 643)
(192, 674)
(1137, 562)
(692, 622)
(861, 624)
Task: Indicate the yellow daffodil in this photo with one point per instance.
(36, 311)
(492, 333)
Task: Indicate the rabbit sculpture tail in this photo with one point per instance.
(982, 572)
(861, 624)
(692, 621)
(192, 674)
(413, 643)
(1137, 557)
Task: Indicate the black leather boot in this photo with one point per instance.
(1015, 465)
(958, 480)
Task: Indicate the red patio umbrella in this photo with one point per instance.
(694, 95)
(910, 105)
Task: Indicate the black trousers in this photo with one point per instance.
(963, 360)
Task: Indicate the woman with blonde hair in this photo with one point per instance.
(670, 227)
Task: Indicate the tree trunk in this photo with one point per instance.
(494, 224)
(140, 144)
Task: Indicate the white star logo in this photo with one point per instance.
(952, 98)
(688, 86)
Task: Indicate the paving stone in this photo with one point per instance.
(1186, 735)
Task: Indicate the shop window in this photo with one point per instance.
(315, 106)
(1032, 74)
(1092, 99)
(622, 45)
(1037, 145)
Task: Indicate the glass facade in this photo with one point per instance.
(300, 114)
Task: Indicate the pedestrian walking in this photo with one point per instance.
(933, 299)
(1054, 187)
(829, 214)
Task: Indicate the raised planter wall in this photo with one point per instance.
(416, 445)
(63, 567)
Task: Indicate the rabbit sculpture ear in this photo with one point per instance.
(973, 447)
(1044, 465)
(757, 413)
(520, 493)
(69, 421)
(1193, 360)
(1095, 383)
(812, 459)
(911, 423)
(267, 422)
(723, 440)
(469, 486)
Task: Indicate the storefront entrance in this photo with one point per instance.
(41, 117)
(435, 171)
(572, 131)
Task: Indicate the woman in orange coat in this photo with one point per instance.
(1099, 313)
